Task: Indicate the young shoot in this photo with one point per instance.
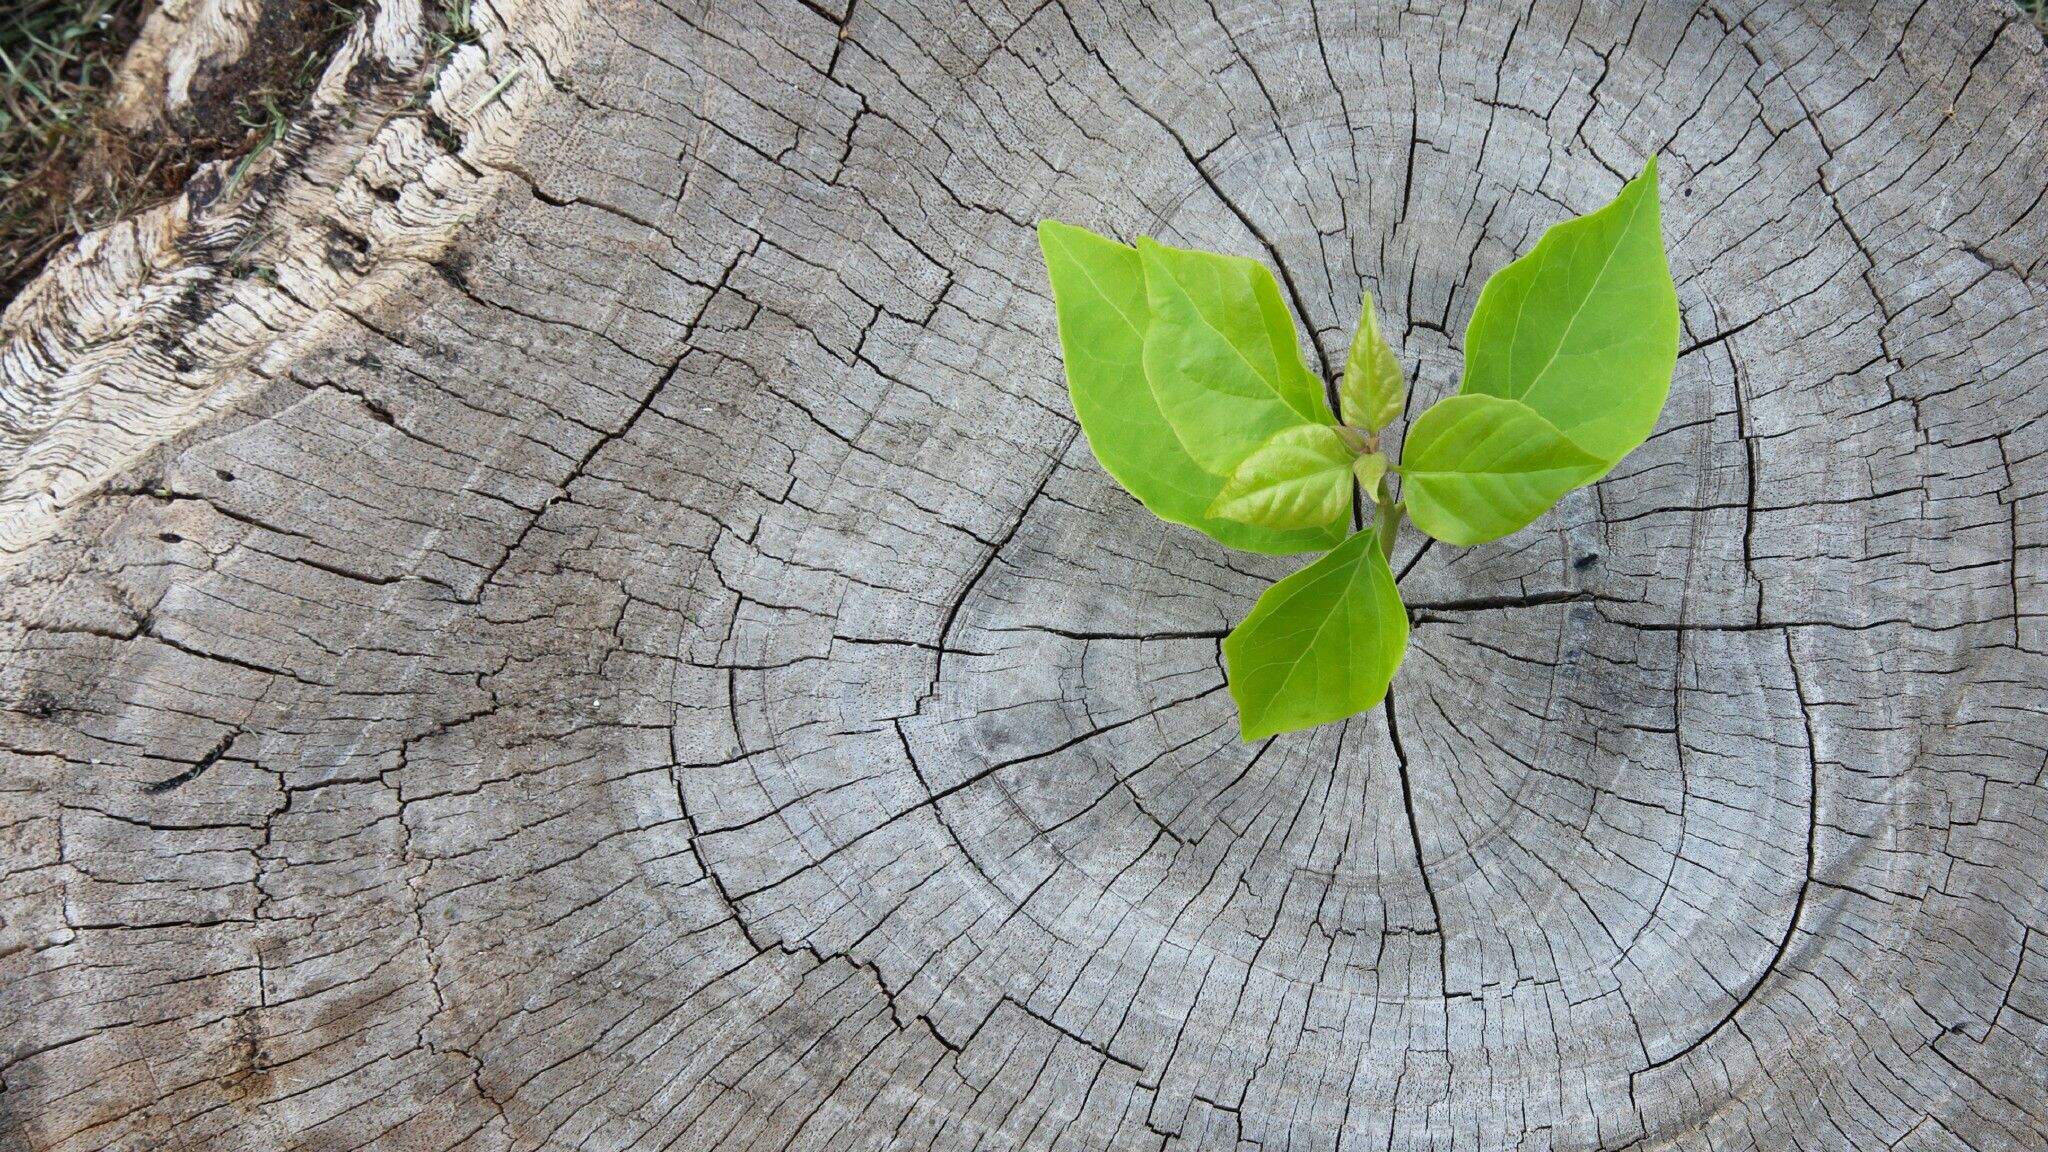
(1187, 375)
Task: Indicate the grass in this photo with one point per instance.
(453, 28)
(64, 169)
(56, 57)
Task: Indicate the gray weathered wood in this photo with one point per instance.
(669, 675)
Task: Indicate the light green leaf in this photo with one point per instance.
(1099, 293)
(1475, 468)
(1222, 356)
(1370, 468)
(1584, 328)
(1320, 645)
(1373, 391)
(1299, 478)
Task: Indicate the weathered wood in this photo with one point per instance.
(669, 675)
(181, 311)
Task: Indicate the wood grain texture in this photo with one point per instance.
(161, 321)
(673, 677)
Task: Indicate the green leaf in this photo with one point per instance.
(1320, 645)
(1299, 478)
(1475, 468)
(1373, 391)
(1370, 468)
(1222, 356)
(1098, 290)
(1584, 328)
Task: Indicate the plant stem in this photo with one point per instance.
(1386, 519)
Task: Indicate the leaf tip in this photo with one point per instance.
(1647, 179)
(1048, 235)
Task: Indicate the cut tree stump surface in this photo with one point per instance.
(668, 672)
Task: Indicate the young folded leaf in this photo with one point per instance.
(1584, 328)
(1320, 645)
(1475, 468)
(1373, 391)
(1098, 290)
(1299, 478)
(1222, 356)
(1370, 469)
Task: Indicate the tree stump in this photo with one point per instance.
(658, 667)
